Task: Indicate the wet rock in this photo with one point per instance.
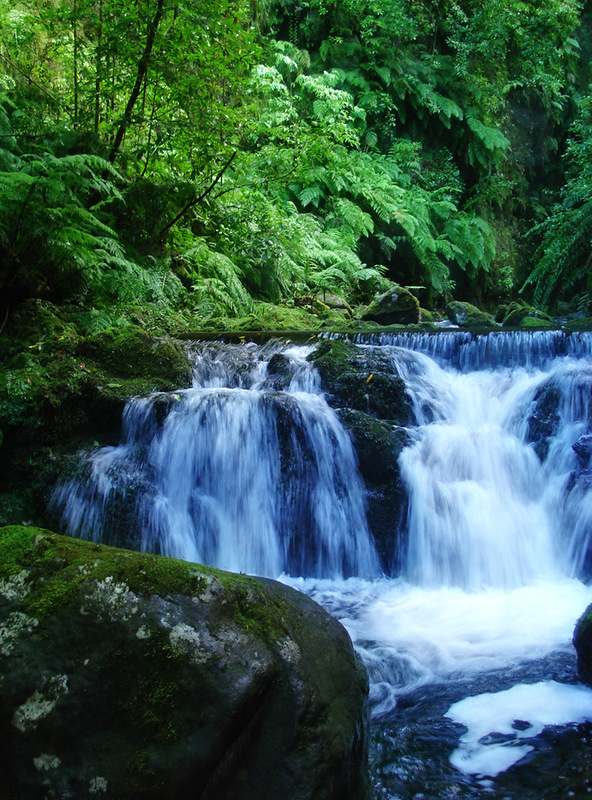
(395, 306)
(378, 445)
(583, 449)
(543, 418)
(582, 640)
(133, 676)
(362, 379)
(280, 371)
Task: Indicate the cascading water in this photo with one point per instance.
(232, 473)
(251, 470)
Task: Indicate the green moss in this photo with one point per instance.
(518, 313)
(581, 324)
(537, 323)
(467, 315)
(257, 614)
(16, 549)
(61, 565)
(332, 357)
(149, 702)
(130, 353)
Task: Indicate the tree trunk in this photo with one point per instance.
(140, 77)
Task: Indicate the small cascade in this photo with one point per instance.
(233, 473)
(476, 517)
(467, 351)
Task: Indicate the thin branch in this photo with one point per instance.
(30, 79)
(196, 200)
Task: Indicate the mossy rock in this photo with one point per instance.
(518, 313)
(395, 306)
(536, 323)
(467, 315)
(578, 324)
(362, 379)
(129, 353)
(135, 676)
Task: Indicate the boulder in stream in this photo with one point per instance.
(467, 315)
(378, 445)
(582, 640)
(126, 675)
(362, 379)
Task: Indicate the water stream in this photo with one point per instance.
(468, 648)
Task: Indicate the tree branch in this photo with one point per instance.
(140, 76)
(196, 200)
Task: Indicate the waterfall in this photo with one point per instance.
(251, 470)
(233, 472)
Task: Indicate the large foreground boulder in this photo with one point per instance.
(127, 676)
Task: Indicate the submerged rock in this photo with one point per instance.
(131, 676)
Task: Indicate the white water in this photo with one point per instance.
(493, 556)
(249, 478)
(236, 474)
(497, 721)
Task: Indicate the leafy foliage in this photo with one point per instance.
(564, 253)
(211, 154)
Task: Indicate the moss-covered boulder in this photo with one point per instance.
(467, 316)
(131, 676)
(521, 315)
(582, 640)
(60, 391)
(142, 362)
(363, 379)
(395, 306)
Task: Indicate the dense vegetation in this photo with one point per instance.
(210, 157)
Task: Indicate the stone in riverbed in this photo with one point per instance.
(126, 675)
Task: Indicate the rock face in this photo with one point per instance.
(582, 640)
(396, 306)
(133, 676)
(378, 445)
(374, 407)
(364, 380)
(543, 418)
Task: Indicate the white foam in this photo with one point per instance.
(535, 706)
(409, 636)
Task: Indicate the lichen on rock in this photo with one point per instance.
(178, 681)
